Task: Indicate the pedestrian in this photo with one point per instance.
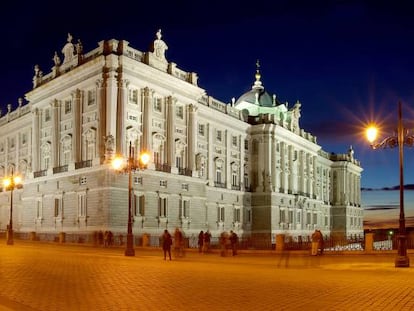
(178, 243)
(166, 243)
(106, 237)
(206, 242)
(234, 239)
(110, 238)
(200, 241)
(223, 243)
(320, 242)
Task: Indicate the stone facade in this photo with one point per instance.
(246, 166)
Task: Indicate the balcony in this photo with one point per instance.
(235, 187)
(185, 171)
(218, 184)
(163, 167)
(40, 173)
(60, 169)
(83, 164)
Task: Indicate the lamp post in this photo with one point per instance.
(132, 165)
(10, 183)
(401, 138)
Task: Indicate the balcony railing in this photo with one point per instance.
(83, 164)
(60, 169)
(218, 184)
(163, 167)
(235, 187)
(40, 173)
(185, 171)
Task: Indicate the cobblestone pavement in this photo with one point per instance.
(41, 276)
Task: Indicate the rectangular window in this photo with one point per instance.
(162, 207)
(234, 179)
(236, 215)
(220, 213)
(201, 129)
(158, 104)
(218, 176)
(47, 115)
(58, 207)
(184, 209)
(234, 141)
(82, 208)
(68, 106)
(315, 219)
(218, 135)
(139, 205)
(39, 209)
(246, 144)
(282, 216)
(133, 96)
(179, 112)
(290, 220)
(91, 97)
(24, 139)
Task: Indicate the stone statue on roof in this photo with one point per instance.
(68, 50)
(160, 46)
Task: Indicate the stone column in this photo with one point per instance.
(55, 133)
(147, 117)
(121, 117)
(35, 140)
(77, 120)
(210, 160)
(111, 105)
(192, 136)
(101, 131)
(170, 131)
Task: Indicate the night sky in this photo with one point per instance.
(347, 62)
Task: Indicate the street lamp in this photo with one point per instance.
(132, 164)
(10, 183)
(401, 138)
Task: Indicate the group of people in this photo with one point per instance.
(167, 241)
(106, 239)
(226, 240)
(204, 240)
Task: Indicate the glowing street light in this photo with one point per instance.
(11, 183)
(401, 138)
(127, 166)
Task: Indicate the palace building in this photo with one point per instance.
(245, 166)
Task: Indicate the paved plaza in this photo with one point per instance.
(52, 276)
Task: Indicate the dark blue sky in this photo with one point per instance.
(346, 61)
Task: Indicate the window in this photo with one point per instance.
(234, 179)
(220, 214)
(162, 207)
(83, 180)
(248, 215)
(11, 142)
(315, 219)
(246, 144)
(178, 162)
(201, 129)
(91, 97)
(163, 183)
(236, 214)
(39, 209)
(133, 96)
(24, 139)
(290, 216)
(158, 104)
(139, 205)
(234, 141)
(184, 209)
(179, 112)
(218, 135)
(58, 207)
(82, 208)
(218, 176)
(68, 106)
(282, 216)
(47, 115)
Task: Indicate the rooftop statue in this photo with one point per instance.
(68, 50)
(160, 46)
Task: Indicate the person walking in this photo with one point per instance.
(206, 242)
(224, 237)
(166, 243)
(200, 241)
(234, 239)
(178, 243)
